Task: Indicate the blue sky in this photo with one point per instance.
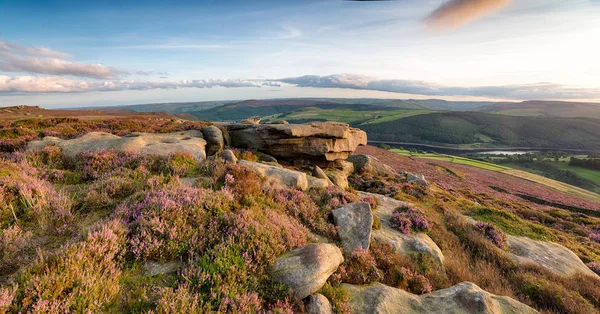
(77, 53)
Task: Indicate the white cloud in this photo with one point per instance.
(518, 91)
(41, 60)
(31, 84)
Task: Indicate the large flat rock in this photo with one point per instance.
(464, 297)
(402, 243)
(161, 144)
(324, 141)
(279, 175)
(553, 256)
(354, 221)
(305, 270)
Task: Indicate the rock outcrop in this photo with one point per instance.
(370, 165)
(214, 139)
(464, 297)
(337, 177)
(279, 175)
(305, 270)
(229, 156)
(402, 243)
(417, 178)
(317, 304)
(319, 173)
(553, 256)
(161, 144)
(354, 221)
(319, 141)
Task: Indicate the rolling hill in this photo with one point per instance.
(545, 109)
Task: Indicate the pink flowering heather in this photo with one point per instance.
(12, 240)
(94, 164)
(595, 235)
(415, 283)
(25, 197)
(406, 219)
(595, 267)
(492, 233)
(371, 200)
(332, 197)
(7, 296)
(84, 277)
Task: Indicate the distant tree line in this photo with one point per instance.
(590, 163)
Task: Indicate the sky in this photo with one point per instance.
(98, 53)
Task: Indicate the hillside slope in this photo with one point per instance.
(540, 108)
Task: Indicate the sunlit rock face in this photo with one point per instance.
(320, 141)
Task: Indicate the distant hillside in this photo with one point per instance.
(471, 129)
(545, 109)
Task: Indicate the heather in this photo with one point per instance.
(77, 235)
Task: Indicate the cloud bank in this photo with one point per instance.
(31, 84)
(41, 60)
(455, 13)
(517, 92)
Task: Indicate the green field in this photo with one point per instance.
(452, 159)
(346, 115)
(519, 172)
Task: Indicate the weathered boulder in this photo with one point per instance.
(344, 165)
(464, 297)
(338, 177)
(319, 173)
(154, 268)
(229, 156)
(322, 141)
(402, 243)
(317, 304)
(417, 178)
(317, 182)
(214, 139)
(161, 144)
(371, 165)
(305, 270)
(553, 256)
(279, 175)
(354, 221)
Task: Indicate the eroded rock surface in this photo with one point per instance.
(354, 221)
(464, 297)
(324, 141)
(305, 270)
(402, 243)
(161, 144)
(318, 304)
(371, 165)
(337, 177)
(214, 139)
(279, 175)
(552, 256)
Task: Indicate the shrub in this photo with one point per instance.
(512, 224)
(6, 298)
(595, 267)
(84, 277)
(297, 204)
(373, 202)
(331, 197)
(361, 268)
(25, 198)
(94, 164)
(406, 219)
(181, 163)
(492, 233)
(12, 240)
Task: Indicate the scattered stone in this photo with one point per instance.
(354, 221)
(305, 270)
(214, 139)
(250, 121)
(317, 304)
(553, 256)
(267, 158)
(338, 177)
(322, 141)
(402, 243)
(279, 122)
(464, 297)
(417, 178)
(154, 268)
(279, 175)
(319, 173)
(371, 165)
(229, 156)
(161, 144)
(344, 165)
(317, 182)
